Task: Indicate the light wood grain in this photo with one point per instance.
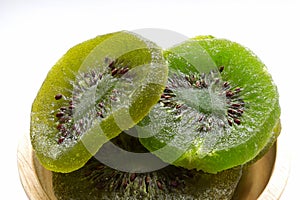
(36, 180)
(255, 183)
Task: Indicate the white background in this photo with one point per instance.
(34, 34)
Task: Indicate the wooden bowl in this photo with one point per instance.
(265, 179)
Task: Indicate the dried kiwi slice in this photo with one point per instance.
(217, 119)
(97, 89)
(98, 181)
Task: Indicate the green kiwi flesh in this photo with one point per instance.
(217, 119)
(97, 89)
(98, 181)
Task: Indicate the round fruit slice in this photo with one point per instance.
(97, 89)
(214, 120)
(98, 181)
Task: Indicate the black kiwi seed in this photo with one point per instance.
(59, 115)
(100, 114)
(225, 84)
(114, 71)
(58, 96)
(63, 109)
(111, 64)
(64, 115)
(98, 181)
(221, 69)
(60, 140)
(101, 105)
(132, 177)
(159, 184)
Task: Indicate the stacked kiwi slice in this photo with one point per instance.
(202, 110)
(97, 89)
